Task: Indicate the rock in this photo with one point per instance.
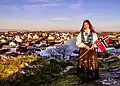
(18, 75)
(115, 82)
(66, 69)
(105, 82)
(117, 77)
(112, 77)
(114, 69)
(118, 72)
(112, 59)
(22, 72)
(72, 43)
(76, 51)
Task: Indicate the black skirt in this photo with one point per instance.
(88, 68)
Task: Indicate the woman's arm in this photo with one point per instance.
(95, 37)
(79, 43)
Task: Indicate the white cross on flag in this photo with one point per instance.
(103, 42)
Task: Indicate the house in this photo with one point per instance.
(3, 40)
(29, 36)
(12, 44)
(18, 39)
(51, 37)
(35, 36)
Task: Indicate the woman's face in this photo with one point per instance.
(86, 25)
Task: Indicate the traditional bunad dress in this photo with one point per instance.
(88, 64)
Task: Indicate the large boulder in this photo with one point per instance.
(72, 44)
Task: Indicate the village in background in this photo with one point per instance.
(21, 53)
(21, 42)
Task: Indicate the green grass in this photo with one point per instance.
(109, 65)
(116, 63)
(64, 81)
(103, 69)
(46, 73)
(7, 68)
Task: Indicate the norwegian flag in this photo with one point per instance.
(103, 42)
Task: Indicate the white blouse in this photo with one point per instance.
(80, 44)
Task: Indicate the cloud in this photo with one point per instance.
(50, 5)
(28, 2)
(43, 0)
(25, 10)
(8, 9)
(61, 18)
(74, 6)
(20, 12)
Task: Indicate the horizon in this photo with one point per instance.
(60, 14)
(54, 30)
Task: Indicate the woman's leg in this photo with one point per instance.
(96, 74)
(93, 68)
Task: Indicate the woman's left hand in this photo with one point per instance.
(92, 47)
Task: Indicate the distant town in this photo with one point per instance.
(50, 35)
(30, 42)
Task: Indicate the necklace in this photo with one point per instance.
(86, 34)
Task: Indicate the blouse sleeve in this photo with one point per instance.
(79, 42)
(95, 37)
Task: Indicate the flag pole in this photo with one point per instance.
(83, 54)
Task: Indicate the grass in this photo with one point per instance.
(7, 68)
(116, 63)
(103, 69)
(46, 73)
(64, 81)
(108, 65)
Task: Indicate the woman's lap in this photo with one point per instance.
(88, 64)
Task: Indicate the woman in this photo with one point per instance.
(87, 64)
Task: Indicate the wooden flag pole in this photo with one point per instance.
(83, 54)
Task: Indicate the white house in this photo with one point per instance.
(29, 36)
(35, 36)
(18, 39)
(3, 41)
(51, 37)
(112, 36)
(12, 44)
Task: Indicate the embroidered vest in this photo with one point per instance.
(89, 38)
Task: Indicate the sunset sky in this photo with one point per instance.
(60, 14)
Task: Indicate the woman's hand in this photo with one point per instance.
(92, 47)
(87, 47)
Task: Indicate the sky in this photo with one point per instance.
(59, 14)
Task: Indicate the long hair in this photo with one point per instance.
(90, 26)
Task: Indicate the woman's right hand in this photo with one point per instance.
(87, 47)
